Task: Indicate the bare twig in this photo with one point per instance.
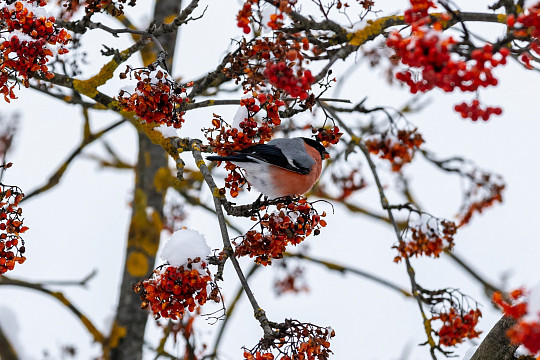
(386, 206)
(347, 269)
(230, 309)
(259, 313)
(489, 288)
(96, 334)
(82, 282)
(54, 179)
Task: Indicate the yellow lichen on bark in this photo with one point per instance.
(117, 332)
(156, 137)
(163, 179)
(217, 194)
(137, 263)
(89, 87)
(169, 19)
(373, 28)
(143, 237)
(98, 337)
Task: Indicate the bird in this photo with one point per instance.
(282, 167)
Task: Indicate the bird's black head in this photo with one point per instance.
(317, 146)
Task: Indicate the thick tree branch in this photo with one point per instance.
(144, 230)
(496, 345)
(7, 351)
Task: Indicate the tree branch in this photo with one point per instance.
(54, 179)
(489, 288)
(386, 206)
(7, 352)
(230, 309)
(96, 334)
(496, 345)
(259, 313)
(346, 269)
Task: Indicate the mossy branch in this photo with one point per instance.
(96, 334)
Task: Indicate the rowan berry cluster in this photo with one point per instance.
(453, 310)
(428, 52)
(526, 331)
(399, 150)
(289, 224)
(27, 48)
(327, 136)
(245, 16)
(276, 21)
(113, 7)
(278, 61)
(156, 99)
(434, 62)
(297, 341)
(429, 236)
(513, 305)
(527, 27)
(474, 111)
(11, 227)
(347, 183)
(283, 77)
(293, 281)
(484, 190)
(418, 13)
(254, 105)
(458, 325)
(172, 291)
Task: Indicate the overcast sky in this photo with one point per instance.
(81, 225)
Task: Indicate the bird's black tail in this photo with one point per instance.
(235, 157)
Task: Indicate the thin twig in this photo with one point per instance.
(489, 288)
(259, 313)
(96, 334)
(82, 282)
(230, 309)
(54, 179)
(386, 206)
(347, 269)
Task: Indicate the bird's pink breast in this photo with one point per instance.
(286, 182)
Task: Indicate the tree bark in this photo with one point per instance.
(7, 352)
(496, 345)
(127, 335)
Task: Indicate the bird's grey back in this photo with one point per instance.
(294, 149)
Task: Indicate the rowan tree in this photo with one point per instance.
(280, 74)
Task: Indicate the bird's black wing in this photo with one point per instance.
(268, 153)
(273, 155)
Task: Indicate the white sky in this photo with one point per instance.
(81, 225)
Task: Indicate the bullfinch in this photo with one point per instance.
(281, 167)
